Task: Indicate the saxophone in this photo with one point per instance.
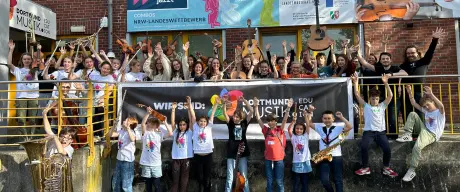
(325, 154)
(49, 174)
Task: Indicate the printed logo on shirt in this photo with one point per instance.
(299, 148)
(120, 143)
(430, 121)
(238, 132)
(150, 145)
(181, 142)
(202, 136)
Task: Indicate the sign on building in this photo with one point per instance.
(25, 14)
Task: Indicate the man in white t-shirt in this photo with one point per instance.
(374, 127)
(430, 131)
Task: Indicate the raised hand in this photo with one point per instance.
(355, 78)
(174, 105)
(273, 59)
(428, 91)
(218, 100)
(256, 101)
(186, 46)
(290, 102)
(412, 9)
(345, 43)
(311, 108)
(339, 114)
(101, 52)
(39, 47)
(385, 39)
(72, 46)
(292, 45)
(188, 100)
(368, 44)
(438, 33)
(241, 98)
(284, 43)
(409, 90)
(287, 60)
(267, 47)
(385, 78)
(11, 45)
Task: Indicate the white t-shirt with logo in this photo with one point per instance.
(374, 117)
(135, 77)
(335, 133)
(126, 147)
(28, 90)
(151, 147)
(182, 148)
(52, 149)
(301, 152)
(202, 139)
(91, 74)
(435, 122)
(99, 87)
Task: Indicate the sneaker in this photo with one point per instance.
(409, 175)
(404, 138)
(389, 172)
(363, 171)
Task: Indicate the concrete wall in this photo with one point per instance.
(439, 170)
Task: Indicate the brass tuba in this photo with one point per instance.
(49, 174)
(325, 154)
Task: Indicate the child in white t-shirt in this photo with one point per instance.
(61, 144)
(330, 135)
(430, 132)
(203, 144)
(124, 171)
(300, 154)
(374, 127)
(152, 136)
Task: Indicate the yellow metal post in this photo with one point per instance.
(59, 106)
(106, 108)
(451, 110)
(89, 120)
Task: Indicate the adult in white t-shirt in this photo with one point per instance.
(135, 74)
(160, 69)
(29, 91)
(430, 131)
(124, 169)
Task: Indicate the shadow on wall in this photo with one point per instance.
(14, 174)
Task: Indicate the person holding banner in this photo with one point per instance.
(203, 145)
(237, 128)
(275, 144)
(374, 127)
(329, 136)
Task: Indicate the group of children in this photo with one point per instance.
(192, 138)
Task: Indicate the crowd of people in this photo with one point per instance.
(192, 136)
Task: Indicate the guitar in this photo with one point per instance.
(251, 45)
(394, 8)
(169, 50)
(238, 74)
(238, 179)
(318, 40)
(215, 42)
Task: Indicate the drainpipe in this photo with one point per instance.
(109, 6)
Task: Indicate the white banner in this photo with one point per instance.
(303, 12)
(24, 14)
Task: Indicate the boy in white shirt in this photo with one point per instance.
(330, 135)
(430, 132)
(374, 127)
(61, 144)
(152, 136)
(124, 171)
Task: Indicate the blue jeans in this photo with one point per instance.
(382, 141)
(324, 170)
(123, 176)
(297, 179)
(243, 168)
(275, 168)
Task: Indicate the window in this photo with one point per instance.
(202, 43)
(336, 34)
(275, 40)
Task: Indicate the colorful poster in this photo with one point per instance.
(367, 10)
(273, 95)
(303, 12)
(24, 14)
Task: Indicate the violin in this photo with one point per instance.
(38, 60)
(394, 8)
(125, 48)
(169, 49)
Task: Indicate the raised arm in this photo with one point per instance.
(286, 113)
(430, 52)
(213, 112)
(191, 111)
(294, 119)
(144, 120)
(147, 63)
(256, 110)
(348, 125)
(438, 103)
(364, 63)
(104, 56)
(185, 65)
(61, 57)
(11, 45)
(173, 115)
(169, 128)
(167, 71)
(360, 100)
(249, 108)
(411, 98)
(224, 110)
(388, 89)
(94, 52)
